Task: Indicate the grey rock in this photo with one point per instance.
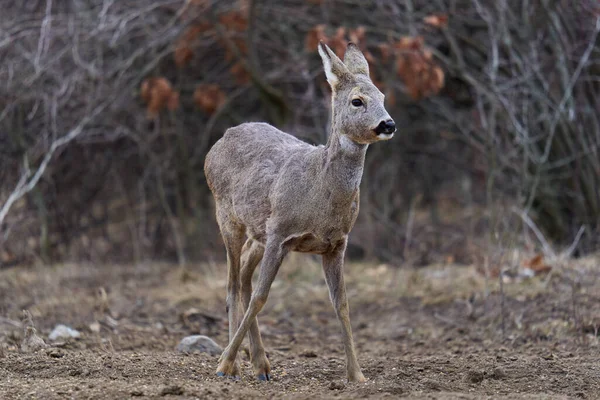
(199, 344)
(474, 376)
(63, 332)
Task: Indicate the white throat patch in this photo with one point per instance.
(347, 144)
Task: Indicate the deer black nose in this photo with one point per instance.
(388, 127)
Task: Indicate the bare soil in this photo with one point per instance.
(438, 332)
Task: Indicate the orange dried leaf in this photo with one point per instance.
(438, 77)
(209, 97)
(239, 73)
(537, 265)
(415, 66)
(535, 261)
(438, 21)
(183, 55)
(158, 94)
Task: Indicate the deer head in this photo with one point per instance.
(358, 110)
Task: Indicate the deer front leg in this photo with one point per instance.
(251, 256)
(333, 266)
(274, 253)
(233, 236)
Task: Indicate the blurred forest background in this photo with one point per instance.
(107, 109)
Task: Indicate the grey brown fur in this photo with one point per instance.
(275, 194)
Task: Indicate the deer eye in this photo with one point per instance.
(357, 102)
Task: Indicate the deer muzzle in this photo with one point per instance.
(386, 127)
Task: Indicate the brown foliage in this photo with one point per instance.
(240, 73)
(183, 55)
(416, 68)
(338, 41)
(209, 97)
(158, 94)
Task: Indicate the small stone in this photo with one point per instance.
(63, 332)
(432, 384)
(498, 373)
(136, 393)
(474, 376)
(175, 390)
(308, 354)
(95, 327)
(55, 353)
(199, 344)
(336, 385)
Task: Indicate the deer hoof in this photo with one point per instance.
(264, 377)
(357, 378)
(224, 375)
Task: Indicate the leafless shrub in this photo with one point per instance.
(108, 108)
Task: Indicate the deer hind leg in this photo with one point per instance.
(233, 236)
(273, 255)
(333, 266)
(252, 253)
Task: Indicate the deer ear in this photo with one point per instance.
(335, 70)
(355, 60)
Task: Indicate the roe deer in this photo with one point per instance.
(287, 195)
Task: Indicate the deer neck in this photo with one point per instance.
(343, 165)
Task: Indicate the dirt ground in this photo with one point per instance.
(438, 332)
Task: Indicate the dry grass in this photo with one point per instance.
(417, 330)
